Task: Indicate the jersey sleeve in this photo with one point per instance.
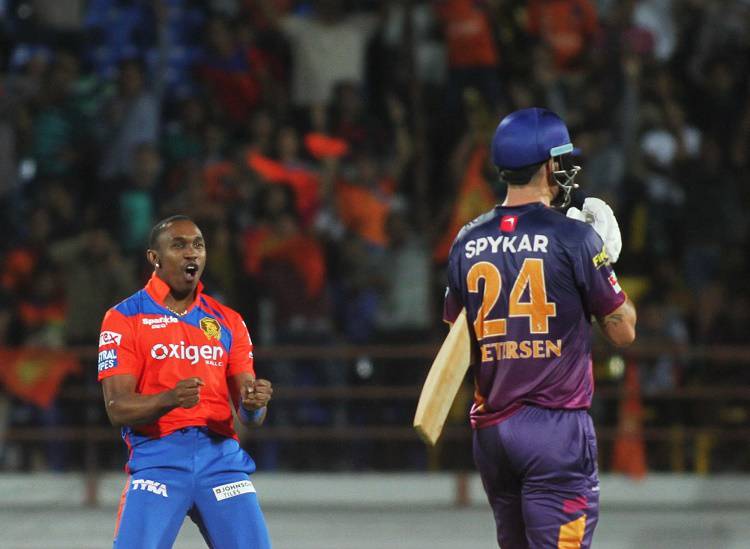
(117, 347)
(241, 354)
(595, 277)
(453, 302)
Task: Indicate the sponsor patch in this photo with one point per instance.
(212, 355)
(211, 327)
(226, 491)
(506, 244)
(614, 283)
(107, 359)
(508, 223)
(600, 259)
(109, 338)
(152, 486)
(159, 322)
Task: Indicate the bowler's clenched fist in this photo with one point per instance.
(256, 393)
(187, 392)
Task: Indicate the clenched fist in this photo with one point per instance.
(187, 392)
(256, 393)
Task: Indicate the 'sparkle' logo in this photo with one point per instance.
(211, 327)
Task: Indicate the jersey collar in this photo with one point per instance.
(159, 290)
(527, 206)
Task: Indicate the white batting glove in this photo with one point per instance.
(599, 215)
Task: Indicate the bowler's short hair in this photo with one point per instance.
(162, 226)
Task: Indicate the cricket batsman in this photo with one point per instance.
(531, 280)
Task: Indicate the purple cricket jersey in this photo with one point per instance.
(530, 279)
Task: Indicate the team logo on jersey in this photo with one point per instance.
(109, 338)
(508, 223)
(600, 259)
(211, 327)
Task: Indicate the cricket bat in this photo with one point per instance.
(443, 381)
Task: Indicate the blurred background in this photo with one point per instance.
(330, 150)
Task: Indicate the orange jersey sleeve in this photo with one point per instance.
(241, 354)
(117, 347)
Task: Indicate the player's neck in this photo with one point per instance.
(522, 195)
(179, 302)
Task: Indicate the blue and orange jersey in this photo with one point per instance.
(530, 279)
(141, 337)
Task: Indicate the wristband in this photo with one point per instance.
(253, 416)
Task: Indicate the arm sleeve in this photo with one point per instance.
(117, 347)
(241, 354)
(595, 277)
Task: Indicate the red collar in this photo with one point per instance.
(159, 290)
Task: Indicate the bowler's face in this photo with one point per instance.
(182, 256)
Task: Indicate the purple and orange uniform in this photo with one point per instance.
(530, 280)
(188, 461)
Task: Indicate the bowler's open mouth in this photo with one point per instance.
(191, 271)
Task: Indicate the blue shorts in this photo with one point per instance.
(189, 472)
(538, 468)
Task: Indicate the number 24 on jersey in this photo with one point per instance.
(537, 309)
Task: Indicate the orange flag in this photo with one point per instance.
(323, 146)
(35, 375)
(475, 196)
(629, 453)
(303, 182)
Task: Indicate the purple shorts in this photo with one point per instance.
(539, 471)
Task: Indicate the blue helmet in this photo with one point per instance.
(531, 136)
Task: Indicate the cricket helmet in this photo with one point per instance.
(528, 137)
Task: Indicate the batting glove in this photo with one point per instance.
(599, 215)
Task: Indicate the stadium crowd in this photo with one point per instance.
(331, 149)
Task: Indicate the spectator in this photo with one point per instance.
(129, 119)
(364, 199)
(567, 27)
(473, 56)
(94, 275)
(235, 74)
(358, 285)
(137, 200)
(56, 123)
(328, 46)
(183, 137)
(405, 311)
(42, 308)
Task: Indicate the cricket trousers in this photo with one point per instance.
(190, 472)
(539, 471)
